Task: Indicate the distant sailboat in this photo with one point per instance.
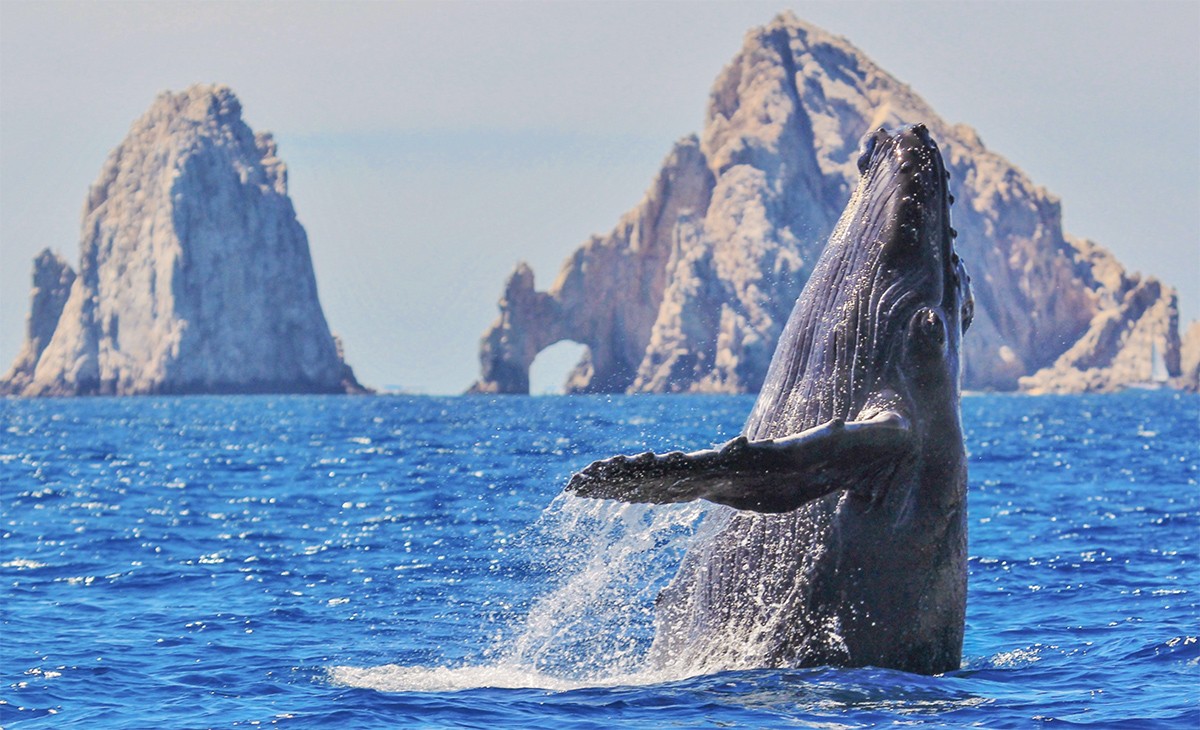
(1158, 366)
(1159, 376)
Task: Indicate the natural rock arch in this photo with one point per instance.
(556, 368)
(690, 291)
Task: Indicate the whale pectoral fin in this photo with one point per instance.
(774, 475)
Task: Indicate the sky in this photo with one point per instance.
(433, 145)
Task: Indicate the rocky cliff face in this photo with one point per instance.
(1135, 316)
(608, 294)
(52, 280)
(691, 290)
(1189, 358)
(194, 275)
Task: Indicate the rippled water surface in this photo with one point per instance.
(408, 562)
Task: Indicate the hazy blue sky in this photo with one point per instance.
(432, 145)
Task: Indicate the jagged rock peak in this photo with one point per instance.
(195, 275)
(194, 119)
(52, 280)
(691, 289)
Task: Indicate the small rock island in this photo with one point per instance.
(194, 276)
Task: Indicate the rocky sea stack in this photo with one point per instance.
(194, 274)
(690, 291)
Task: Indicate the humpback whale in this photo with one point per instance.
(847, 544)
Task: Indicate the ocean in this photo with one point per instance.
(406, 562)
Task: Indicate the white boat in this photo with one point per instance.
(1159, 377)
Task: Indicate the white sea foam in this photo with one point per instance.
(396, 678)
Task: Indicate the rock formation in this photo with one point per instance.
(194, 276)
(1135, 316)
(691, 289)
(52, 280)
(1189, 358)
(609, 293)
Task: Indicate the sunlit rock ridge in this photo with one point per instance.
(194, 274)
(691, 289)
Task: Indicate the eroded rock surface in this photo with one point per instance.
(1136, 317)
(194, 275)
(1189, 357)
(52, 280)
(691, 289)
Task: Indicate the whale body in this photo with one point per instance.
(847, 544)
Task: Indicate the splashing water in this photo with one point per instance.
(607, 562)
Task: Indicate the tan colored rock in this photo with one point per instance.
(1189, 378)
(195, 276)
(608, 293)
(699, 304)
(52, 280)
(1115, 351)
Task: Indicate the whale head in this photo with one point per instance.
(881, 318)
(909, 243)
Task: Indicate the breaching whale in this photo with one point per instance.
(848, 545)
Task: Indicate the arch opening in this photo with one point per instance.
(549, 370)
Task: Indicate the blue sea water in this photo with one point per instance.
(408, 562)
